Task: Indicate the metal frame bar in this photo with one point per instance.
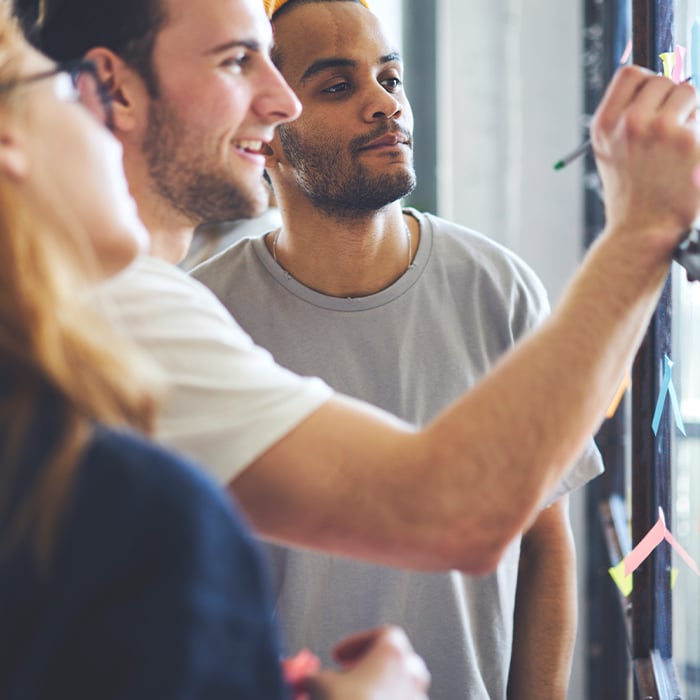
(606, 28)
(652, 647)
(646, 620)
(420, 33)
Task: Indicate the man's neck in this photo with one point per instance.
(170, 231)
(170, 235)
(171, 246)
(345, 257)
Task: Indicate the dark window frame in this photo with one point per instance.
(637, 630)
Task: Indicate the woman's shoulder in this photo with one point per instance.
(126, 483)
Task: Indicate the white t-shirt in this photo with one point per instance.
(227, 401)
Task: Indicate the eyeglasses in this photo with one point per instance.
(75, 81)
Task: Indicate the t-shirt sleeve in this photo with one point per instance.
(530, 309)
(226, 400)
(588, 466)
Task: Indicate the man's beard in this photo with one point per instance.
(180, 175)
(342, 193)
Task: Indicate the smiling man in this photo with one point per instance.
(195, 98)
(406, 311)
(310, 466)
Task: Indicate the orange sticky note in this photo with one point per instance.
(626, 383)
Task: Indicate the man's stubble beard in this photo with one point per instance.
(180, 173)
(341, 194)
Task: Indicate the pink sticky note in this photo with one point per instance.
(647, 544)
(627, 53)
(677, 74)
(682, 553)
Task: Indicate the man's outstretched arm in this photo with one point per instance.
(353, 480)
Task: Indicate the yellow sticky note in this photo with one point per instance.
(624, 583)
(668, 61)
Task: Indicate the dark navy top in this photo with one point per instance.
(157, 590)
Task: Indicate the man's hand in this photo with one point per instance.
(647, 146)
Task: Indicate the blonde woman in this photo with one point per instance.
(123, 573)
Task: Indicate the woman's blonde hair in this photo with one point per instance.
(53, 348)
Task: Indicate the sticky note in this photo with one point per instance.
(624, 385)
(646, 545)
(682, 553)
(626, 53)
(677, 73)
(694, 60)
(667, 388)
(667, 61)
(626, 583)
(622, 580)
(622, 573)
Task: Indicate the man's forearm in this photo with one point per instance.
(545, 611)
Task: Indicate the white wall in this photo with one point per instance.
(510, 99)
(510, 89)
(389, 12)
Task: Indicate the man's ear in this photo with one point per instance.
(122, 83)
(13, 157)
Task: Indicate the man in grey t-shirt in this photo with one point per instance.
(406, 311)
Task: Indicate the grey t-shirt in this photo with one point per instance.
(410, 349)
